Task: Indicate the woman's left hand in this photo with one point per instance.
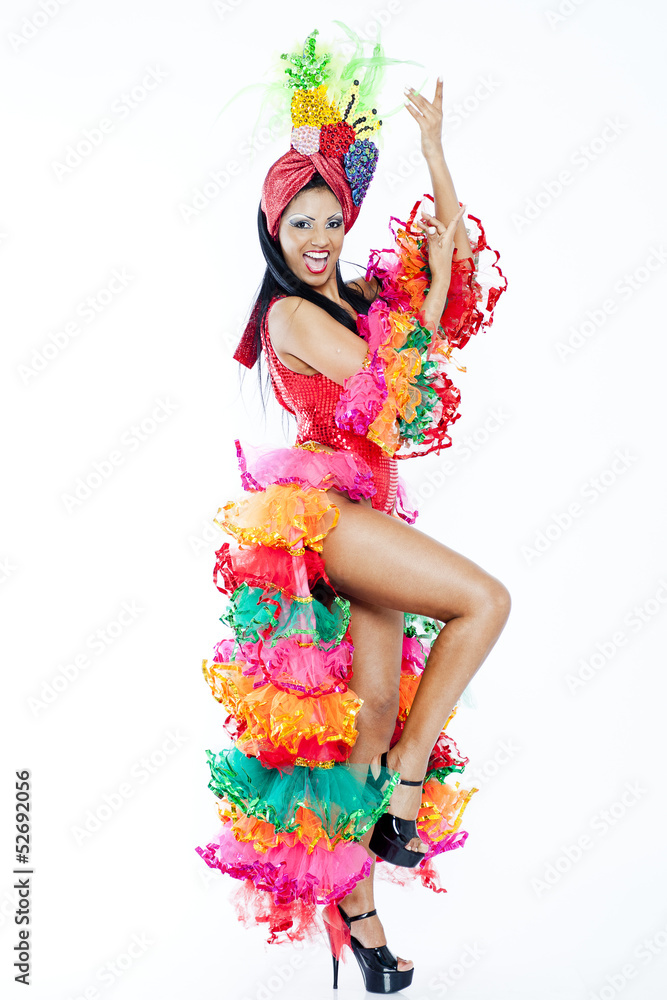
(440, 242)
(428, 115)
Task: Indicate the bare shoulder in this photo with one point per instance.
(369, 289)
(283, 314)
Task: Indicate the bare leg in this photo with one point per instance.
(377, 634)
(384, 561)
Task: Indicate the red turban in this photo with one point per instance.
(292, 172)
(285, 179)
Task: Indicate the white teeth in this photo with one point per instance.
(317, 256)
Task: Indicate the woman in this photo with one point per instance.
(338, 715)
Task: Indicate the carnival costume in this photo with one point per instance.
(292, 808)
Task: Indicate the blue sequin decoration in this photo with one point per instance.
(360, 162)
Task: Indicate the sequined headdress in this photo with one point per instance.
(332, 125)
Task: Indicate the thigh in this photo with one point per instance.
(384, 561)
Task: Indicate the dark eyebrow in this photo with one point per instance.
(312, 219)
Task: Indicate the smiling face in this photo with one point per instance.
(311, 236)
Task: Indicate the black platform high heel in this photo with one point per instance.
(379, 966)
(391, 834)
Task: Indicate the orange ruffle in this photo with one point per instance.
(407, 689)
(264, 835)
(403, 397)
(281, 718)
(287, 516)
(442, 808)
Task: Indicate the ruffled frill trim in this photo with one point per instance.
(266, 567)
(291, 664)
(402, 398)
(438, 825)
(339, 798)
(274, 719)
(290, 804)
(264, 466)
(441, 812)
(286, 506)
(271, 615)
(283, 516)
(476, 283)
(289, 872)
(264, 835)
(285, 922)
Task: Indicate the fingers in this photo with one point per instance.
(422, 103)
(457, 218)
(434, 225)
(417, 99)
(437, 99)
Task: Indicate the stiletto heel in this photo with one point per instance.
(391, 834)
(379, 967)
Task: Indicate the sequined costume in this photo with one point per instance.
(313, 400)
(292, 808)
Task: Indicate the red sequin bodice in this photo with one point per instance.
(312, 400)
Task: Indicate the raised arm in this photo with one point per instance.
(428, 115)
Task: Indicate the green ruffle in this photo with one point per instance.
(440, 773)
(253, 610)
(420, 338)
(421, 627)
(340, 796)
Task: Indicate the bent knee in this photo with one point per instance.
(496, 601)
(381, 705)
(487, 599)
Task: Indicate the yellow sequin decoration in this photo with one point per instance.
(303, 762)
(311, 107)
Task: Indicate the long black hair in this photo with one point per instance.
(279, 279)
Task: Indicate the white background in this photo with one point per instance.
(535, 92)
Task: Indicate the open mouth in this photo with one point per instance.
(316, 260)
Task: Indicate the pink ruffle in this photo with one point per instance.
(263, 466)
(362, 397)
(402, 510)
(375, 327)
(448, 843)
(290, 664)
(290, 873)
(413, 655)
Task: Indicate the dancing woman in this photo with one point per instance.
(352, 634)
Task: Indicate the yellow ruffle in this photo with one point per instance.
(287, 516)
(442, 808)
(280, 718)
(264, 835)
(400, 371)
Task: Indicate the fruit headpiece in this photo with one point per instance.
(331, 132)
(334, 122)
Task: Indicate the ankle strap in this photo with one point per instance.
(402, 781)
(361, 916)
